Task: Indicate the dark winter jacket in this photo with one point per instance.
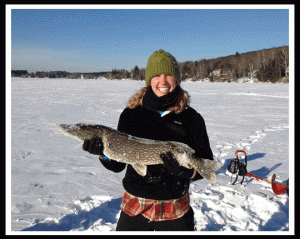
(187, 127)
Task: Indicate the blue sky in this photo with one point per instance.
(92, 40)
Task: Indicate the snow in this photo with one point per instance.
(55, 187)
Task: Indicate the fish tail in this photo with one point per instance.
(207, 168)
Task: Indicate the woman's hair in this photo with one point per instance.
(181, 104)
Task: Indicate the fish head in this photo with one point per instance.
(82, 131)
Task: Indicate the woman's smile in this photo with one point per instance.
(163, 84)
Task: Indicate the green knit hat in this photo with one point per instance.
(162, 62)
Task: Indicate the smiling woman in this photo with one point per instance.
(159, 111)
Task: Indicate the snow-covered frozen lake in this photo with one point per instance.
(56, 186)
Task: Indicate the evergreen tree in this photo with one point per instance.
(136, 73)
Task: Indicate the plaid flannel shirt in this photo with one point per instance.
(155, 210)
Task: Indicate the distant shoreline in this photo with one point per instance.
(241, 80)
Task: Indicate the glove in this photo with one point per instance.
(171, 164)
(93, 146)
(173, 167)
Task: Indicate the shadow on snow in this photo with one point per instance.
(279, 220)
(107, 211)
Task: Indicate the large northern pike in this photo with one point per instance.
(141, 152)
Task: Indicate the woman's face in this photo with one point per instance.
(163, 84)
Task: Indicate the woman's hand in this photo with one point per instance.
(171, 164)
(173, 167)
(93, 146)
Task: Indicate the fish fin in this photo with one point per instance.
(207, 168)
(141, 169)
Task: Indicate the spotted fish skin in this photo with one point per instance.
(141, 152)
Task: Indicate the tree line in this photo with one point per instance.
(57, 74)
(267, 65)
